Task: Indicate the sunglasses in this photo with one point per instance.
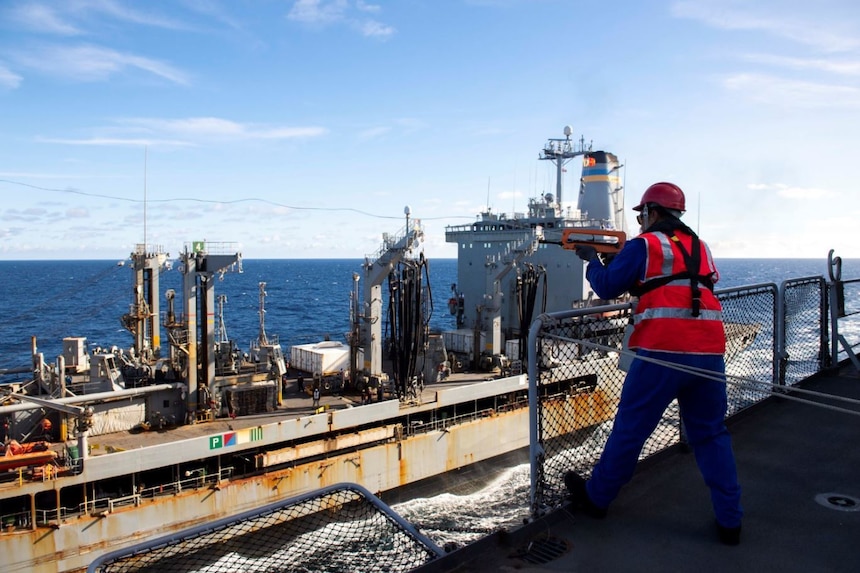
(643, 216)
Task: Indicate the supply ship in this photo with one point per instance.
(106, 449)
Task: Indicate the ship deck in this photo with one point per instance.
(797, 465)
(294, 404)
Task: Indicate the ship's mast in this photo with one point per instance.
(262, 338)
(560, 152)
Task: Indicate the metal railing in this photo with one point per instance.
(844, 298)
(776, 336)
(339, 528)
(390, 240)
(417, 427)
(108, 504)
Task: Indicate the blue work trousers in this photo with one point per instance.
(648, 389)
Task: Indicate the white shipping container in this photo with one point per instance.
(462, 340)
(327, 357)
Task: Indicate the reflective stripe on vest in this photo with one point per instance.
(663, 319)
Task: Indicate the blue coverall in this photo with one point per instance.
(648, 389)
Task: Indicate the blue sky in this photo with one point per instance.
(301, 129)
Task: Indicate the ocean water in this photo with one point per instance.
(307, 300)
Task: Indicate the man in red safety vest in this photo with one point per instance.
(677, 329)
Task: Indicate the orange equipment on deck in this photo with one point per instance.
(18, 455)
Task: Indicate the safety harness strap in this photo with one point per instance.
(693, 263)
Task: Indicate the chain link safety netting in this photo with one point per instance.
(579, 381)
(337, 529)
(577, 391)
(749, 318)
(805, 329)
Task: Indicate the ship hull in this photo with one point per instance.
(74, 543)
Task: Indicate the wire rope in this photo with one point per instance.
(223, 202)
(737, 381)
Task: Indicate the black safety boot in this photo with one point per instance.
(729, 535)
(579, 496)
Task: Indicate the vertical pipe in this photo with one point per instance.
(190, 288)
(64, 422)
(208, 336)
(535, 449)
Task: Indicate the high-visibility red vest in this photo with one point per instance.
(667, 318)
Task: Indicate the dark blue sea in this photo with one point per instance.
(307, 300)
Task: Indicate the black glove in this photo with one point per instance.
(606, 258)
(585, 252)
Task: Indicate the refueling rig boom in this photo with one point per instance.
(377, 267)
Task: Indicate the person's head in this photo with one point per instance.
(660, 201)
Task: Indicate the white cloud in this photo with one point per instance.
(31, 214)
(9, 79)
(75, 17)
(205, 126)
(92, 63)
(117, 141)
(121, 11)
(42, 18)
(214, 10)
(27, 174)
(785, 191)
(188, 132)
(803, 193)
(217, 127)
(374, 29)
(77, 213)
(317, 11)
(374, 132)
(323, 13)
(365, 7)
(842, 68)
(770, 90)
(286, 132)
(822, 28)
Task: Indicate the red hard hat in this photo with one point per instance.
(667, 195)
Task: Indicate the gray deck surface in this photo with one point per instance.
(294, 404)
(788, 455)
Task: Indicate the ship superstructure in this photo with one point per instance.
(510, 267)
